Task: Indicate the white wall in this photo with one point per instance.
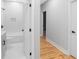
(57, 17)
(2, 12)
(14, 17)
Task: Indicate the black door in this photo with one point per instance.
(44, 23)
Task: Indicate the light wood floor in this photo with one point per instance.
(50, 52)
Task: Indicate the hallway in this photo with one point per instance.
(48, 51)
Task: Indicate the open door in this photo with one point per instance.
(44, 23)
(27, 33)
(73, 43)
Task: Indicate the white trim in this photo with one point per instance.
(69, 26)
(58, 47)
(32, 18)
(35, 12)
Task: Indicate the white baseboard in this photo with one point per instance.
(58, 47)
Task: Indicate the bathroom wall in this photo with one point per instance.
(2, 13)
(14, 17)
(57, 22)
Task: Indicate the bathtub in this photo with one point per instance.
(15, 34)
(14, 37)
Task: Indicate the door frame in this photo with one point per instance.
(44, 33)
(35, 29)
(69, 25)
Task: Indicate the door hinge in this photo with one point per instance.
(30, 5)
(73, 32)
(3, 42)
(22, 30)
(30, 53)
(30, 30)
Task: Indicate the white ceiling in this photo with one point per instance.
(42, 1)
(23, 1)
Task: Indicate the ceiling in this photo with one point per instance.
(42, 1)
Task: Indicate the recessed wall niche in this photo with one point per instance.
(12, 19)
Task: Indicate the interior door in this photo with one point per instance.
(44, 23)
(73, 43)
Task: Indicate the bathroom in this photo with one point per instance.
(15, 22)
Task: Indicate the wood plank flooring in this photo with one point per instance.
(47, 51)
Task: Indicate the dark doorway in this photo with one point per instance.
(44, 23)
